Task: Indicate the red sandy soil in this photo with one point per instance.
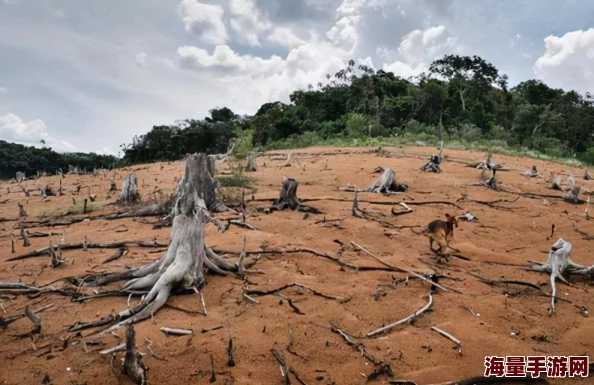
(485, 319)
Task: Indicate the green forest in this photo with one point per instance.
(462, 100)
(30, 160)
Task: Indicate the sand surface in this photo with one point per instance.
(506, 320)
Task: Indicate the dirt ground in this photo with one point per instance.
(489, 321)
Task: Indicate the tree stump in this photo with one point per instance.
(250, 165)
(432, 165)
(133, 366)
(183, 265)
(288, 198)
(387, 184)
(572, 197)
(20, 176)
(129, 193)
(558, 264)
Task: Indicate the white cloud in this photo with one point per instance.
(204, 20)
(247, 22)
(568, 61)
(415, 50)
(141, 60)
(105, 151)
(284, 37)
(14, 129)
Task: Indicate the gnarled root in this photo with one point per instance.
(559, 264)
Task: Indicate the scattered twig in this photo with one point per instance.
(408, 319)
(450, 337)
(176, 332)
(402, 270)
(278, 290)
(381, 368)
(118, 348)
(290, 345)
(286, 368)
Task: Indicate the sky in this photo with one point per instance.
(88, 75)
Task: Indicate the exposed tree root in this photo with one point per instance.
(381, 368)
(492, 204)
(66, 246)
(187, 258)
(559, 264)
(120, 253)
(259, 293)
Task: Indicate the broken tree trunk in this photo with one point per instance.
(129, 194)
(387, 184)
(558, 264)
(183, 265)
(288, 198)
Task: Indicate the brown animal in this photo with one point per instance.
(441, 232)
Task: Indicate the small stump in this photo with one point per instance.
(288, 199)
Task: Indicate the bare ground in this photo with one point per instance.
(507, 320)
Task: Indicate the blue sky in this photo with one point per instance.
(88, 75)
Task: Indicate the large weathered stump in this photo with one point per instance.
(288, 199)
(387, 184)
(187, 258)
(129, 193)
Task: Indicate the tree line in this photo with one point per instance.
(31, 160)
(459, 98)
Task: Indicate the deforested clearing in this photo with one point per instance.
(319, 291)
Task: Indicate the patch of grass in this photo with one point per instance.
(495, 146)
(235, 181)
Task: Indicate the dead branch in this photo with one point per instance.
(286, 368)
(260, 293)
(290, 346)
(402, 270)
(408, 319)
(120, 253)
(176, 332)
(449, 337)
(381, 368)
(116, 245)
